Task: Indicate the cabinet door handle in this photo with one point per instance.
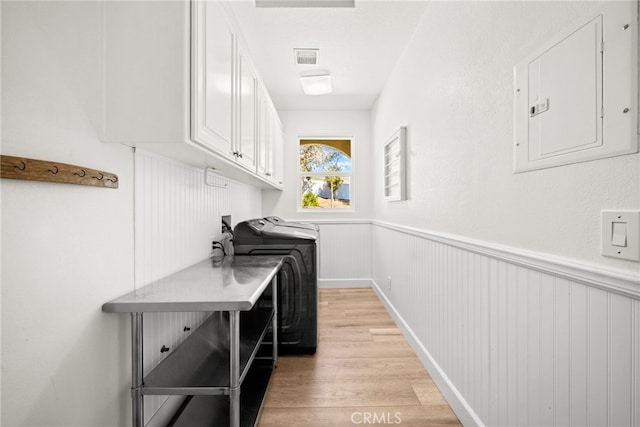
(268, 173)
(239, 154)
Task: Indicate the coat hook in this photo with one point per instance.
(114, 179)
(100, 178)
(54, 172)
(83, 173)
(24, 166)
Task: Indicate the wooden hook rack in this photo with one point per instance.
(43, 170)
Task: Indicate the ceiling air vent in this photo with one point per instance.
(306, 56)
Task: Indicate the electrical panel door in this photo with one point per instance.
(575, 98)
(565, 95)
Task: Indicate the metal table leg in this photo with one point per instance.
(136, 370)
(274, 327)
(234, 368)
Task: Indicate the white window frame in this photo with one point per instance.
(350, 175)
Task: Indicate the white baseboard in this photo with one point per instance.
(345, 283)
(458, 404)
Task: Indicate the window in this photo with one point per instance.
(325, 174)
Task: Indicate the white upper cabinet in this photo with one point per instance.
(179, 81)
(246, 147)
(270, 142)
(263, 134)
(213, 77)
(277, 151)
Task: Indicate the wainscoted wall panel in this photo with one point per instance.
(176, 217)
(344, 253)
(520, 346)
(509, 342)
(635, 371)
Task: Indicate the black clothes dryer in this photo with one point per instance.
(297, 280)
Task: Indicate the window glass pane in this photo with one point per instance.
(324, 158)
(322, 192)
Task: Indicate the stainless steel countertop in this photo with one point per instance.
(234, 284)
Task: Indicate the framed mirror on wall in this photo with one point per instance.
(394, 166)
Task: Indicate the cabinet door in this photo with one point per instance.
(278, 156)
(263, 134)
(213, 77)
(246, 144)
(271, 138)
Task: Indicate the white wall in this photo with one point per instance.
(0, 225)
(453, 88)
(355, 124)
(497, 278)
(66, 249)
(342, 240)
(512, 339)
(177, 216)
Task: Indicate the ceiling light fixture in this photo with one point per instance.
(316, 84)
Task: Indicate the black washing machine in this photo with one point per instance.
(297, 280)
(279, 221)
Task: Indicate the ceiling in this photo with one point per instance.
(359, 46)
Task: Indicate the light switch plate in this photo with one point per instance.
(625, 221)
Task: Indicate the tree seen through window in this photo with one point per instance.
(325, 173)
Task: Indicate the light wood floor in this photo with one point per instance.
(364, 373)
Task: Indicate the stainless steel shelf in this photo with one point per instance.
(201, 364)
(236, 284)
(215, 363)
(201, 411)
